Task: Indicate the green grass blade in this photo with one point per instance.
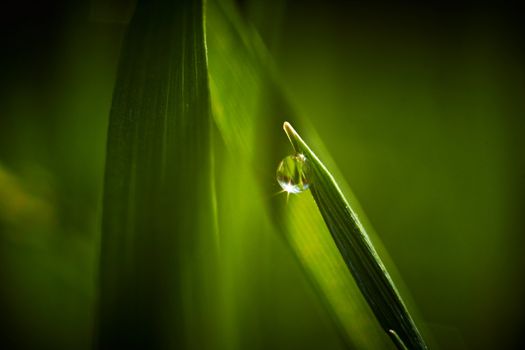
(358, 253)
(158, 236)
(241, 71)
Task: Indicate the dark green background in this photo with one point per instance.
(420, 106)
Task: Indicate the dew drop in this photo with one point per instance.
(293, 173)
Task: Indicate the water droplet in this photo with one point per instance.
(293, 173)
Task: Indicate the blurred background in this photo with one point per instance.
(420, 106)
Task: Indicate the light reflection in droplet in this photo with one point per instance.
(293, 173)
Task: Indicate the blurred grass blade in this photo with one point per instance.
(358, 253)
(158, 242)
(241, 70)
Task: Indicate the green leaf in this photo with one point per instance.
(158, 248)
(358, 252)
(247, 97)
(247, 104)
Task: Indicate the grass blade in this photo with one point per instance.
(241, 69)
(157, 250)
(358, 253)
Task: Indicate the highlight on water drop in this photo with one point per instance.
(293, 173)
